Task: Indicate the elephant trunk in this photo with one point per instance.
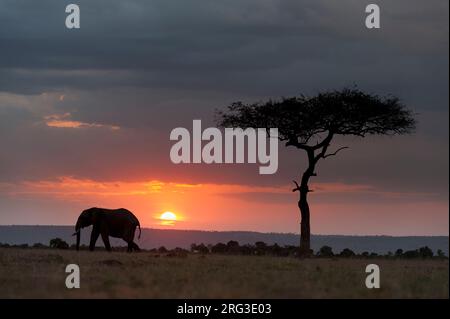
(78, 233)
(78, 240)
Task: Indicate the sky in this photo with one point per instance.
(86, 114)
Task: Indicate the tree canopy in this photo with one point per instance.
(306, 122)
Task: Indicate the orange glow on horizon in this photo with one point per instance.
(212, 206)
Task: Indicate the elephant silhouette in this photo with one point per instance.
(119, 223)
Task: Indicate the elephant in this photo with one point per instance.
(119, 223)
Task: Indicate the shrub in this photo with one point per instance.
(365, 254)
(261, 248)
(441, 254)
(233, 247)
(346, 253)
(162, 249)
(326, 251)
(276, 250)
(425, 252)
(246, 249)
(58, 243)
(411, 254)
(219, 248)
(202, 249)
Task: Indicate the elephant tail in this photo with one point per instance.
(139, 236)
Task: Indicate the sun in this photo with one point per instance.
(168, 216)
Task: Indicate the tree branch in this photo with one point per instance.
(325, 142)
(298, 145)
(334, 153)
(297, 188)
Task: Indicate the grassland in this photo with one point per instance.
(40, 273)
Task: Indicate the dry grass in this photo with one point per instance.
(34, 273)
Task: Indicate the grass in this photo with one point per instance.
(40, 273)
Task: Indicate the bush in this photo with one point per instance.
(425, 252)
(441, 254)
(162, 250)
(233, 247)
(219, 248)
(411, 254)
(202, 249)
(246, 250)
(326, 251)
(346, 253)
(276, 250)
(365, 254)
(261, 248)
(399, 253)
(58, 243)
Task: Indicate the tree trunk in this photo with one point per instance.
(303, 189)
(305, 230)
(305, 227)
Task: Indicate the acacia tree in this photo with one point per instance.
(311, 123)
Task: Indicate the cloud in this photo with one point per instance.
(64, 121)
(68, 186)
(247, 47)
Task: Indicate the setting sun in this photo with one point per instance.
(168, 216)
(168, 219)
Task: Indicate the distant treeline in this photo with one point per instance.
(261, 248)
(258, 249)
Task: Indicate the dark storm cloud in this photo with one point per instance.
(247, 47)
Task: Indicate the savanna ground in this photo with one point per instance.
(40, 273)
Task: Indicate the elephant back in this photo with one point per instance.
(130, 215)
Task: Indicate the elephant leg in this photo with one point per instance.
(135, 246)
(105, 238)
(128, 237)
(94, 237)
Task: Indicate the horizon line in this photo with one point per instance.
(242, 231)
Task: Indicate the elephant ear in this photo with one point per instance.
(95, 216)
